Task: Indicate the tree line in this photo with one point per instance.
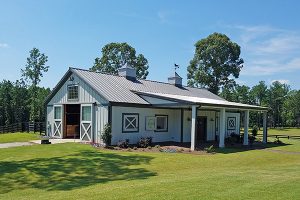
(283, 103)
(23, 100)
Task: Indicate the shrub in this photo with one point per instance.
(210, 149)
(145, 142)
(106, 135)
(123, 144)
(149, 147)
(135, 148)
(254, 130)
(277, 141)
(251, 139)
(234, 138)
(157, 146)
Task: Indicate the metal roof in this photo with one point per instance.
(118, 89)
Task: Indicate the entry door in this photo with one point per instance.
(57, 126)
(201, 128)
(86, 128)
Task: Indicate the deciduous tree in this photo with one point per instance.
(215, 64)
(116, 55)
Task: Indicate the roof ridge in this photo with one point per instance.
(87, 70)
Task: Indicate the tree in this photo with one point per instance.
(34, 69)
(277, 95)
(260, 93)
(116, 55)
(216, 59)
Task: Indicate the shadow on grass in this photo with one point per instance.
(241, 148)
(73, 171)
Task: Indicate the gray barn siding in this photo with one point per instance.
(173, 133)
(87, 95)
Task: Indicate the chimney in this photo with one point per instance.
(128, 72)
(175, 80)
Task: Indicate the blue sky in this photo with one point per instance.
(72, 33)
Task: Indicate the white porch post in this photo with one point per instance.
(222, 128)
(265, 127)
(246, 126)
(193, 127)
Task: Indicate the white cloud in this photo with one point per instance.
(282, 81)
(268, 50)
(3, 45)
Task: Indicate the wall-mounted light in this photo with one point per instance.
(211, 119)
(188, 119)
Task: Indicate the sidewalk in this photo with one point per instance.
(15, 144)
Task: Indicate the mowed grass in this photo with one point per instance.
(77, 171)
(18, 137)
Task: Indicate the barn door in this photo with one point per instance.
(57, 127)
(86, 131)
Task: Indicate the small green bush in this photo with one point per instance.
(157, 146)
(135, 148)
(254, 130)
(145, 142)
(251, 139)
(106, 135)
(277, 141)
(123, 144)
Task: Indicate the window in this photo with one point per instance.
(162, 123)
(86, 113)
(130, 122)
(72, 92)
(57, 112)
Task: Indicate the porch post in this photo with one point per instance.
(246, 126)
(193, 127)
(265, 127)
(222, 128)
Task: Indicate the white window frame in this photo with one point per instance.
(125, 119)
(68, 96)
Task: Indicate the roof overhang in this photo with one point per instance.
(190, 100)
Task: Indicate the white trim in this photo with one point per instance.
(193, 127)
(84, 130)
(246, 126)
(57, 128)
(222, 128)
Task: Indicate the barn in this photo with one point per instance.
(84, 101)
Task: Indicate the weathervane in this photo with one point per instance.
(176, 67)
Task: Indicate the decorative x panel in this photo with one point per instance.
(86, 131)
(231, 123)
(57, 129)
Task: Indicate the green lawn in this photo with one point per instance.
(77, 171)
(18, 137)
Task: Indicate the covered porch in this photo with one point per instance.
(222, 124)
(198, 105)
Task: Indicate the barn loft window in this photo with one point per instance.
(162, 123)
(130, 122)
(72, 92)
